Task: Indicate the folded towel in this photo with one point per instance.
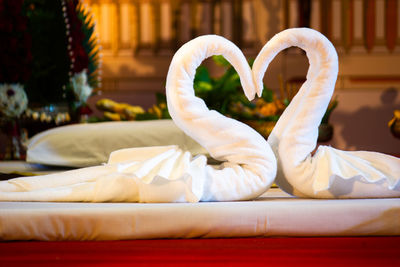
(168, 174)
(330, 172)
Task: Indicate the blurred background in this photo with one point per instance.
(138, 39)
(131, 44)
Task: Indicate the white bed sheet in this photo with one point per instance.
(273, 214)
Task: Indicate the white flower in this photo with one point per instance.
(80, 86)
(13, 100)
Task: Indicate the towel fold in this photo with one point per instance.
(330, 173)
(168, 174)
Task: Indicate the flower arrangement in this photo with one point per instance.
(13, 100)
(50, 48)
(50, 55)
(223, 94)
(63, 45)
(47, 46)
(122, 111)
(83, 50)
(80, 87)
(118, 111)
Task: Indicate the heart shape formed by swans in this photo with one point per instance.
(330, 172)
(167, 174)
(185, 107)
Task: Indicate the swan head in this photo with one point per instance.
(317, 47)
(190, 56)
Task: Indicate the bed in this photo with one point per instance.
(273, 214)
(275, 229)
(265, 230)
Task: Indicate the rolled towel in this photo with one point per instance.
(329, 173)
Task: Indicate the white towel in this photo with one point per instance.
(330, 173)
(167, 174)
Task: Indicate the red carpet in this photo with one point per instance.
(359, 251)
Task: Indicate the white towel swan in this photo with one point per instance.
(167, 174)
(330, 172)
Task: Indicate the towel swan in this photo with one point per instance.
(329, 173)
(167, 174)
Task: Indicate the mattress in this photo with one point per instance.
(273, 214)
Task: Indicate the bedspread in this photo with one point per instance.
(273, 214)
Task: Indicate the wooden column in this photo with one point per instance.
(237, 22)
(391, 24)
(326, 18)
(347, 23)
(369, 24)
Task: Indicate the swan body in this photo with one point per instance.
(250, 165)
(329, 173)
(168, 174)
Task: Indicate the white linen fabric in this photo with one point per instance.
(330, 173)
(90, 144)
(272, 214)
(168, 174)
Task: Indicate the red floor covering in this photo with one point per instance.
(334, 251)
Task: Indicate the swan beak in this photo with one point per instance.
(250, 94)
(259, 91)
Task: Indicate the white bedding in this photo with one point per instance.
(89, 144)
(273, 214)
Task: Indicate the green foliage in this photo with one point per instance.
(332, 105)
(267, 95)
(219, 93)
(158, 111)
(146, 116)
(161, 98)
(221, 61)
(90, 44)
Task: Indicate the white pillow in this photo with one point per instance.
(82, 145)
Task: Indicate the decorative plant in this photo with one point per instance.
(332, 105)
(225, 95)
(13, 100)
(83, 51)
(122, 111)
(45, 45)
